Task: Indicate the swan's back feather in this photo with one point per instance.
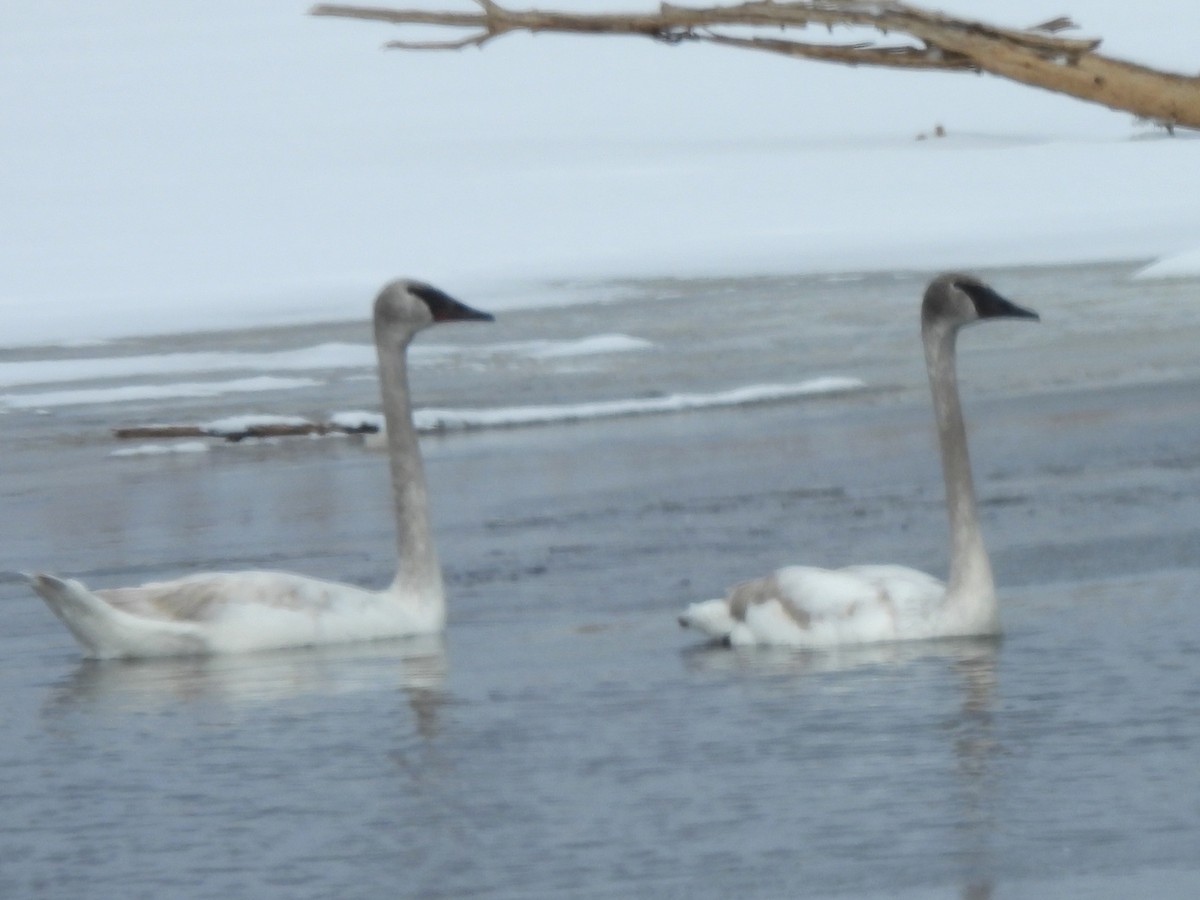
(234, 613)
(204, 598)
(807, 606)
(910, 590)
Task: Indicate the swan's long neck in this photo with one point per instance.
(417, 573)
(970, 582)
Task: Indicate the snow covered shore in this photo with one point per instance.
(221, 166)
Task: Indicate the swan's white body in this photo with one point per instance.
(243, 611)
(234, 612)
(802, 606)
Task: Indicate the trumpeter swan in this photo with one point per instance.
(803, 606)
(242, 611)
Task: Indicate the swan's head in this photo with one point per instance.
(956, 299)
(413, 305)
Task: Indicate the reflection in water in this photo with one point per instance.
(973, 660)
(415, 665)
(714, 657)
(974, 748)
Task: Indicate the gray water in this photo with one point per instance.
(566, 739)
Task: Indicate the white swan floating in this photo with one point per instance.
(802, 606)
(244, 611)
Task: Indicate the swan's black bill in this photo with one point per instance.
(990, 305)
(445, 308)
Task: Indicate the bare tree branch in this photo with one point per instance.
(897, 57)
(250, 430)
(1037, 56)
(473, 40)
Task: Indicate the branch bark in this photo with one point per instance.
(261, 430)
(1036, 56)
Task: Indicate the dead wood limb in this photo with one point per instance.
(918, 39)
(160, 431)
(250, 431)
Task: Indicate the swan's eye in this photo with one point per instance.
(989, 304)
(984, 298)
(440, 303)
(443, 307)
(973, 290)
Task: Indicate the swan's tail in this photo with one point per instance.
(712, 617)
(102, 631)
(86, 616)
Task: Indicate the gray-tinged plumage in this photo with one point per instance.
(241, 611)
(813, 607)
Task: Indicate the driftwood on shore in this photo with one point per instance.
(908, 37)
(260, 430)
